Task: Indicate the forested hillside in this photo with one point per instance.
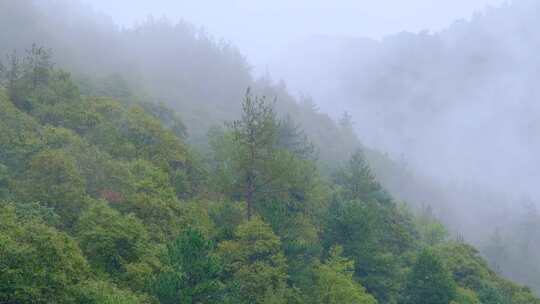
(104, 202)
(147, 166)
(174, 63)
(460, 106)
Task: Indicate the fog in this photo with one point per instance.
(263, 29)
(445, 89)
(275, 37)
(458, 104)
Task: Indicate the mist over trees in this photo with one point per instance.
(153, 176)
(457, 108)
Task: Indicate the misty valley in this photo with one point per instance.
(155, 161)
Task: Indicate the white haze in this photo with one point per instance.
(460, 105)
(327, 49)
(264, 28)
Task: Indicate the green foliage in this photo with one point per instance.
(227, 216)
(4, 181)
(429, 282)
(190, 180)
(470, 271)
(293, 139)
(464, 262)
(168, 118)
(265, 163)
(466, 296)
(113, 85)
(431, 231)
(299, 240)
(153, 201)
(110, 240)
(53, 179)
(101, 292)
(19, 138)
(29, 77)
(150, 139)
(364, 219)
(190, 272)
(252, 157)
(38, 264)
(523, 296)
(35, 211)
(334, 282)
(254, 263)
(361, 228)
(74, 114)
(358, 182)
(116, 179)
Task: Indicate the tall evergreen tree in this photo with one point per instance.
(255, 136)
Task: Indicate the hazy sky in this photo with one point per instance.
(262, 27)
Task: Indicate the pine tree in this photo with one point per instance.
(255, 141)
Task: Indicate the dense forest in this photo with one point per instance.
(148, 166)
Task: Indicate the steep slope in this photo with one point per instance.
(173, 63)
(458, 109)
(116, 183)
(131, 216)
